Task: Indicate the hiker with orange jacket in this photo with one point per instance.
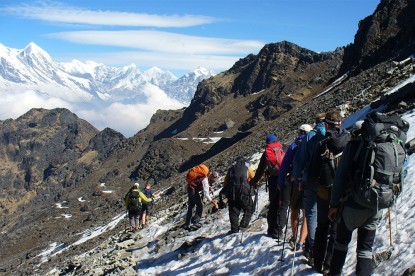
(199, 179)
(270, 164)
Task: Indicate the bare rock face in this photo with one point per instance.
(388, 33)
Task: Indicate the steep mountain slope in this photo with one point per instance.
(241, 105)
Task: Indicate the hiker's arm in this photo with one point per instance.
(226, 180)
(144, 197)
(299, 159)
(341, 178)
(285, 166)
(206, 190)
(251, 173)
(260, 171)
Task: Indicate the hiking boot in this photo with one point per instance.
(232, 232)
(275, 235)
(185, 226)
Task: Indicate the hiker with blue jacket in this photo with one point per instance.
(300, 174)
(291, 191)
(146, 207)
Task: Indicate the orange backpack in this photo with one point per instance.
(195, 173)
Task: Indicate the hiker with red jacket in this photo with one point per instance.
(270, 164)
(199, 179)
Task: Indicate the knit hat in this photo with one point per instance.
(137, 185)
(271, 138)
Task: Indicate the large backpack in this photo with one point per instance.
(378, 162)
(274, 156)
(238, 186)
(330, 153)
(196, 173)
(134, 202)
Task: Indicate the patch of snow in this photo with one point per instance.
(59, 205)
(107, 192)
(66, 215)
(81, 199)
(183, 139)
(102, 184)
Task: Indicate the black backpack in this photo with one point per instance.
(238, 186)
(134, 202)
(378, 161)
(330, 152)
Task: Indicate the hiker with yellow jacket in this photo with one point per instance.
(133, 200)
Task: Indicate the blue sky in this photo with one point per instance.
(177, 35)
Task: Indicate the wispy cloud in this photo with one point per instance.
(185, 62)
(161, 41)
(56, 12)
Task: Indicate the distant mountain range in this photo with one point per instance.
(32, 68)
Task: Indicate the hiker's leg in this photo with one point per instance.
(234, 211)
(131, 220)
(285, 202)
(304, 230)
(199, 208)
(310, 207)
(137, 221)
(273, 206)
(365, 239)
(320, 240)
(343, 237)
(294, 221)
(248, 209)
(191, 203)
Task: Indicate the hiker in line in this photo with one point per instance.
(323, 164)
(299, 173)
(270, 164)
(355, 202)
(147, 207)
(199, 179)
(132, 201)
(239, 193)
(292, 192)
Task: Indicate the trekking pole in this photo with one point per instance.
(390, 227)
(298, 224)
(286, 225)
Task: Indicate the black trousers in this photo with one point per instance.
(324, 237)
(272, 216)
(194, 199)
(284, 204)
(235, 207)
(365, 239)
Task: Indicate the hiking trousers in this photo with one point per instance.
(273, 210)
(194, 199)
(365, 221)
(235, 208)
(324, 237)
(284, 204)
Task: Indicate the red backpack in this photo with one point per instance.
(274, 155)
